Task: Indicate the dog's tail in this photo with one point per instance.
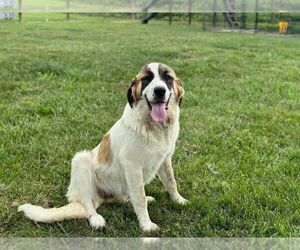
(73, 210)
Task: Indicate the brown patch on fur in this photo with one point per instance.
(104, 153)
(178, 90)
(136, 87)
(138, 82)
(135, 90)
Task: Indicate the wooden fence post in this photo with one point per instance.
(256, 17)
(133, 5)
(214, 17)
(204, 21)
(68, 9)
(104, 14)
(272, 14)
(243, 24)
(20, 14)
(170, 12)
(204, 15)
(190, 12)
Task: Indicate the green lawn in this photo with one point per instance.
(63, 84)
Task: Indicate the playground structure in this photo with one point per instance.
(150, 16)
(283, 24)
(229, 15)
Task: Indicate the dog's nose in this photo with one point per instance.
(159, 92)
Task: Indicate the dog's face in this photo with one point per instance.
(155, 85)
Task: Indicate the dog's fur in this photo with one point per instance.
(130, 155)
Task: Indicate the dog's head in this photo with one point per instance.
(155, 86)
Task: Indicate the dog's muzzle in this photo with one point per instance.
(157, 101)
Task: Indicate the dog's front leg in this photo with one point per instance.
(136, 192)
(166, 175)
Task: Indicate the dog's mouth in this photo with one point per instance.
(158, 109)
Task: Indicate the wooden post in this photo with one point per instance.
(204, 21)
(204, 15)
(243, 24)
(132, 10)
(68, 9)
(20, 11)
(256, 17)
(214, 18)
(104, 14)
(272, 14)
(190, 12)
(170, 12)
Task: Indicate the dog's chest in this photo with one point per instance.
(152, 161)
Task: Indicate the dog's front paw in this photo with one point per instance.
(97, 221)
(180, 200)
(26, 208)
(149, 227)
(32, 212)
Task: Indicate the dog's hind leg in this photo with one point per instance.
(83, 188)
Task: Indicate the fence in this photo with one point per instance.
(251, 15)
(256, 22)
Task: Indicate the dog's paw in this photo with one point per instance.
(32, 212)
(97, 221)
(180, 200)
(150, 227)
(150, 199)
(24, 208)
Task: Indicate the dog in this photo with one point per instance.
(138, 147)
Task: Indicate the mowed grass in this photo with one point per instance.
(63, 85)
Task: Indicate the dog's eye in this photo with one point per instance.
(167, 76)
(147, 78)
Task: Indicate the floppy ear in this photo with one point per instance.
(179, 91)
(131, 96)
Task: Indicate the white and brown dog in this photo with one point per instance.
(137, 148)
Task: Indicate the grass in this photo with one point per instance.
(63, 84)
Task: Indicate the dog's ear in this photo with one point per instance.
(178, 89)
(131, 92)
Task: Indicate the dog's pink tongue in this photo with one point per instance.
(158, 112)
